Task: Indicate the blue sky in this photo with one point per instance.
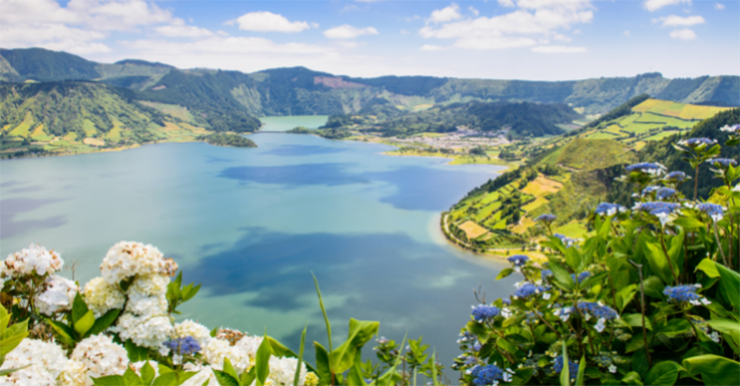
(500, 39)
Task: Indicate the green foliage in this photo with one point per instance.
(43, 65)
(225, 139)
(177, 294)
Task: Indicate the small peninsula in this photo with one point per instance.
(227, 139)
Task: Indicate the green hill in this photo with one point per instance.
(52, 118)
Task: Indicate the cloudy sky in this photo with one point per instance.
(501, 39)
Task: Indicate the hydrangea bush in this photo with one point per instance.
(651, 297)
(119, 329)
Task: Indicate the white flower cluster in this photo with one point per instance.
(58, 295)
(205, 373)
(282, 371)
(46, 360)
(101, 356)
(34, 259)
(149, 331)
(127, 259)
(101, 296)
(218, 349)
(74, 374)
(249, 344)
(198, 331)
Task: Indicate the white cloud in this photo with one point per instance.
(558, 49)
(506, 3)
(678, 21)
(347, 31)
(449, 13)
(179, 29)
(719, 6)
(269, 22)
(683, 34)
(474, 11)
(404, 32)
(626, 33)
(431, 47)
(654, 5)
(537, 20)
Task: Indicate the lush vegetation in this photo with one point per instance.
(299, 130)
(228, 139)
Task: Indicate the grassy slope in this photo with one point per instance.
(78, 117)
(588, 167)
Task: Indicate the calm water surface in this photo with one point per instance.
(252, 224)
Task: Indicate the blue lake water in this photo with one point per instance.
(252, 224)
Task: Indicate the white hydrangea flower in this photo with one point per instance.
(147, 305)
(102, 297)
(250, 344)
(205, 373)
(34, 259)
(47, 356)
(198, 331)
(149, 285)
(136, 367)
(282, 371)
(126, 259)
(30, 376)
(216, 350)
(144, 331)
(101, 356)
(74, 374)
(59, 295)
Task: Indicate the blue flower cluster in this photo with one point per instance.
(676, 176)
(682, 293)
(714, 211)
(658, 208)
(607, 209)
(557, 365)
(484, 313)
(722, 162)
(649, 190)
(646, 167)
(532, 317)
(518, 260)
(731, 129)
(598, 311)
(546, 218)
(545, 273)
(566, 240)
(696, 142)
(506, 301)
(665, 193)
(527, 290)
(486, 375)
(583, 276)
(183, 346)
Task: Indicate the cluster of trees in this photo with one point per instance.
(228, 139)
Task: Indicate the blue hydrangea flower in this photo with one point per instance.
(527, 290)
(563, 313)
(546, 218)
(665, 193)
(532, 316)
(581, 277)
(607, 209)
(722, 163)
(506, 301)
(486, 375)
(557, 365)
(518, 260)
(566, 240)
(730, 128)
(660, 209)
(465, 337)
(648, 190)
(714, 211)
(484, 313)
(183, 346)
(545, 273)
(597, 310)
(696, 142)
(676, 176)
(647, 167)
(685, 293)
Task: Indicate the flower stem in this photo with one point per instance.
(668, 257)
(719, 245)
(642, 302)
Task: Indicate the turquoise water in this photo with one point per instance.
(252, 224)
(290, 122)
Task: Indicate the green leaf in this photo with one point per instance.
(565, 372)
(262, 361)
(85, 323)
(248, 377)
(4, 321)
(708, 267)
(147, 373)
(653, 287)
(663, 373)
(135, 353)
(354, 378)
(688, 223)
(130, 378)
(79, 308)
(111, 380)
(625, 296)
(8, 344)
(360, 332)
(225, 379)
(632, 378)
(102, 323)
(192, 293)
(676, 327)
(714, 369)
(435, 377)
(214, 332)
(322, 364)
(326, 321)
(11, 371)
(581, 371)
(573, 258)
(658, 262)
(561, 275)
(635, 320)
(730, 330)
(174, 378)
(639, 362)
(297, 377)
(163, 369)
(504, 273)
(229, 369)
(63, 332)
(730, 284)
(506, 345)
